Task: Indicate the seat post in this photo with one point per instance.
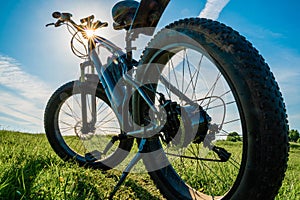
(129, 39)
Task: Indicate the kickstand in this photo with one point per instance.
(125, 173)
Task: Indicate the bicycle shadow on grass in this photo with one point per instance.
(38, 178)
(139, 191)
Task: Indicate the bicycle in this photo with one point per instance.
(197, 81)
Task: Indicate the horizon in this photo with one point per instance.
(35, 60)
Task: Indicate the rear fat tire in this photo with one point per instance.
(259, 100)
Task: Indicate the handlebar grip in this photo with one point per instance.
(99, 24)
(50, 24)
(104, 24)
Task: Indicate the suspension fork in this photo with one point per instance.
(87, 126)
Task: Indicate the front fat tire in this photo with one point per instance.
(57, 140)
(258, 98)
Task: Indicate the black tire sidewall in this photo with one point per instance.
(239, 63)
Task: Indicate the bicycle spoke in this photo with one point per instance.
(173, 70)
(183, 80)
(183, 69)
(220, 105)
(84, 141)
(213, 87)
(73, 114)
(231, 121)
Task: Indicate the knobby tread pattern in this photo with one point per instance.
(257, 90)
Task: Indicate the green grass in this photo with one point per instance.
(291, 185)
(31, 170)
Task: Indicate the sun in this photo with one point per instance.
(90, 33)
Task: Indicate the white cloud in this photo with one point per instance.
(23, 97)
(213, 8)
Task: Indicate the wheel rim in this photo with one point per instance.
(86, 146)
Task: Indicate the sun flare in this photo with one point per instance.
(90, 33)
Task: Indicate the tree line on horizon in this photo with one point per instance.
(294, 136)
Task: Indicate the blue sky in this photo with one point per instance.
(35, 60)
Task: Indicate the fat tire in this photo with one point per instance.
(53, 135)
(259, 100)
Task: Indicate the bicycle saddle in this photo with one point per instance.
(123, 14)
(140, 18)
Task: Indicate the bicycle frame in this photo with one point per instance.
(118, 96)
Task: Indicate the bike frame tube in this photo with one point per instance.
(119, 95)
(116, 94)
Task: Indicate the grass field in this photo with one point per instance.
(31, 170)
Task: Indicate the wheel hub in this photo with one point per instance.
(184, 124)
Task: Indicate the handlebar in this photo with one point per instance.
(86, 23)
(86, 29)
